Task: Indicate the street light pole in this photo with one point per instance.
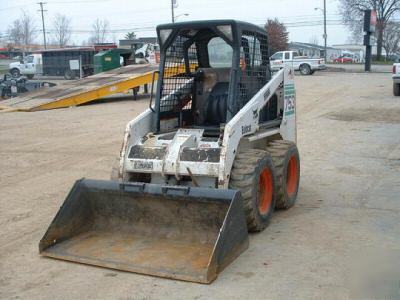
(325, 35)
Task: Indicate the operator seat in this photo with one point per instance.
(212, 96)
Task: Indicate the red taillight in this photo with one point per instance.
(394, 69)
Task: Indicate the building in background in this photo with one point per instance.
(358, 50)
(314, 51)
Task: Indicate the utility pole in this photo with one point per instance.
(44, 30)
(370, 19)
(172, 10)
(325, 35)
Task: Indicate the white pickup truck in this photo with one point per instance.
(305, 65)
(29, 66)
(396, 79)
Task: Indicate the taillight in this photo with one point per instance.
(394, 69)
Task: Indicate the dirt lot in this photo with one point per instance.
(349, 203)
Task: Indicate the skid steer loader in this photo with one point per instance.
(207, 162)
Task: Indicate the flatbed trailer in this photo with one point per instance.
(83, 90)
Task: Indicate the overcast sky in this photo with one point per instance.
(302, 20)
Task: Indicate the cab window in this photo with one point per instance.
(287, 55)
(219, 53)
(29, 59)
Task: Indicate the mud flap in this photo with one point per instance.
(183, 233)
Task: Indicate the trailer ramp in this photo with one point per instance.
(83, 90)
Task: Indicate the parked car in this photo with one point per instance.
(396, 79)
(344, 59)
(305, 65)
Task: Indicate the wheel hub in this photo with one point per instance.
(265, 191)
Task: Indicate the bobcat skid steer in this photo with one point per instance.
(208, 161)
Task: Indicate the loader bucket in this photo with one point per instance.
(169, 231)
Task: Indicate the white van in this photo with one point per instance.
(29, 66)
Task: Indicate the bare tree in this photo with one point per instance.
(14, 32)
(23, 30)
(353, 11)
(277, 34)
(100, 31)
(391, 38)
(62, 29)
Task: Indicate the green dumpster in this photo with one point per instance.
(110, 59)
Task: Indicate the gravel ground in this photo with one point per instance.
(348, 205)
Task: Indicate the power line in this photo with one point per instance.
(14, 7)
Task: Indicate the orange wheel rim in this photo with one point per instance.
(265, 191)
(292, 176)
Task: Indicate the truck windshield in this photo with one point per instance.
(277, 55)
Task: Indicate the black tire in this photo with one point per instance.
(15, 72)
(250, 169)
(287, 165)
(312, 72)
(305, 69)
(68, 74)
(4, 94)
(396, 89)
(30, 76)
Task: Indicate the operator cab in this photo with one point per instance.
(208, 71)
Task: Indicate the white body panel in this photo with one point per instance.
(134, 133)
(245, 124)
(396, 73)
(288, 58)
(246, 121)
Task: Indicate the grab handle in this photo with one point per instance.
(152, 88)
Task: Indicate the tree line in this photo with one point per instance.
(24, 31)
